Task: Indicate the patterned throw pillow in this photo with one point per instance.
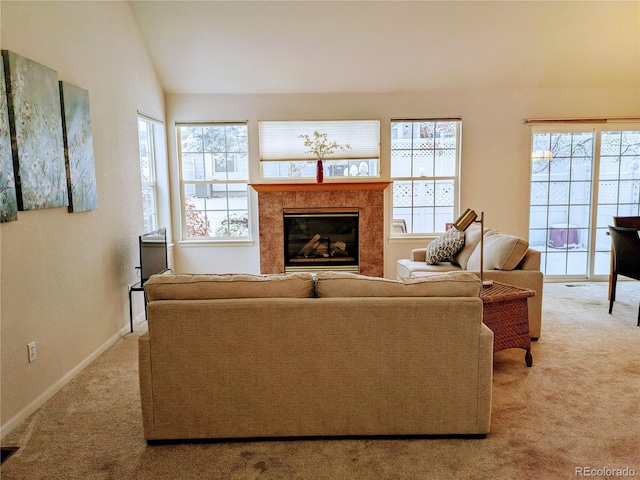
(445, 246)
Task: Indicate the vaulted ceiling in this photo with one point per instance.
(389, 46)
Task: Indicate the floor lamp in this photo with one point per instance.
(462, 223)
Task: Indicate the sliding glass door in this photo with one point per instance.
(618, 188)
(581, 177)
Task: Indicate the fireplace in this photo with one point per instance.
(367, 198)
(321, 239)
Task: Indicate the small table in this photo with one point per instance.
(563, 235)
(136, 287)
(506, 313)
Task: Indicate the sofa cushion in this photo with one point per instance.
(217, 286)
(445, 246)
(345, 284)
(405, 268)
(471, 240)
(501, 252)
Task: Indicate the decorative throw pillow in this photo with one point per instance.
(471, 241)
(445, 246)
(501, 252)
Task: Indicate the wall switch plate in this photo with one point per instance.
(32, 352)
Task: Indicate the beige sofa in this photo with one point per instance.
(507, 259)
(244, 356)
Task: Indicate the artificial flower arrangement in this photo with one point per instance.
(320, 146)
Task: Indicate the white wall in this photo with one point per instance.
(64, 276)
(495, 144)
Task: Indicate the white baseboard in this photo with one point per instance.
(6, 428)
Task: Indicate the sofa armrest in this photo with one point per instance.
(419, 255)
(530, 261)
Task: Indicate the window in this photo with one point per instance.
(581, 177)
(146, 141)
(283, 153)
(425, 163)
(214, 174)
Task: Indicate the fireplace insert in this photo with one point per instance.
(321, 239)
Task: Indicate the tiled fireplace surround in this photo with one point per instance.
(367, 197)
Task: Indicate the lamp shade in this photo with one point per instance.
(466, 219)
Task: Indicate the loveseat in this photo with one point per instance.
(246, 356)
(507, 259)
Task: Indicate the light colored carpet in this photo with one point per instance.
(577, 407)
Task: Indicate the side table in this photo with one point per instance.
(506, 313)
(136, 287)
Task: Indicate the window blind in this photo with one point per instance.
(280, 140)
(550, 121)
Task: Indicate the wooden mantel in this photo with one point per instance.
(317, 187)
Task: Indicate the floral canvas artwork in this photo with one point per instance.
(34, 112)
(8, 201)
(78, 148)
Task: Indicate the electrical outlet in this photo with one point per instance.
(32, 352)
